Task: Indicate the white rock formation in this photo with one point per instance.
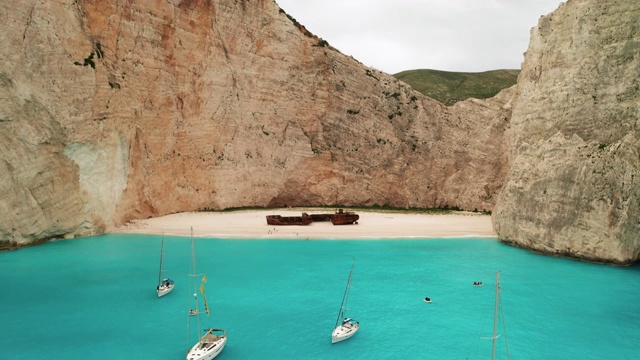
(573, 187)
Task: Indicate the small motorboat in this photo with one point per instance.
(427, 300)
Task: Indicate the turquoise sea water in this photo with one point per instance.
(95, 298)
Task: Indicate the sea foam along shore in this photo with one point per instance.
(372, 225)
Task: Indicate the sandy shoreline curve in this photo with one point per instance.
(372, 225)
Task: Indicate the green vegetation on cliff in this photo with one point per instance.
(451, 87)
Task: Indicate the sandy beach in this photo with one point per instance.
(372, 225)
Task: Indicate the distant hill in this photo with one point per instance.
(451, 87)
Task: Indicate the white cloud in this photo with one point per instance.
(451, 35)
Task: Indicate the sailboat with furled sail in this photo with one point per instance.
(212, 341)
(495, 320)
(497, 311)
(164, 285)
(345, 326)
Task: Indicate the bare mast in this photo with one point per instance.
(495, 316)
(344, 297)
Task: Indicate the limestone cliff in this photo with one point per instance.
(111, 111)
(573, 186)
(116, 110)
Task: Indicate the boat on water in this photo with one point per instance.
(212, 341)
(345, 326)
(342, 217)
(305, 219)
(164, 285)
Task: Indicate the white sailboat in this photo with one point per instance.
(212, 341)
(345, 326)
(164, 285)
(495, 320)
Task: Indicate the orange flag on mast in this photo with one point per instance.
(204, 297)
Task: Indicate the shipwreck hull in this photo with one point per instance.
(342, 217)
(305, 219)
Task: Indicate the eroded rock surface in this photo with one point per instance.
(112, 111)
(573, 186)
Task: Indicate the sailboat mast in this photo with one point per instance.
(195, 280)
(161, 257)
(344, 297)
(495, 316)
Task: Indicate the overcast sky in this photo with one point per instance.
(451, 35)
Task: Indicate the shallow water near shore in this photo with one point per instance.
(95, 298)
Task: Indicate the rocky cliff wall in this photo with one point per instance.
(573, 186)
(111, 111)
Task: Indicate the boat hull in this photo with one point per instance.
(207, 351)
(342, 217)
(305, 219)
(344, 332)
(321, 217)
(164, 289)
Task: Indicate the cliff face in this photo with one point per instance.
(573, 187)
(111, 111)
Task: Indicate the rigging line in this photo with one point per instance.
(482, 324)
(188, 302)
(344, 297)
(491, 338)
(161, 259)
(188, 331)
(189, 299)
(195, 276)
(504, 327)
